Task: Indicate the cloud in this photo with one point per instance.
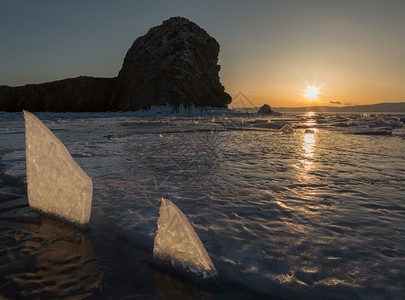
(348, 103)
(335, 102)
(254, 43)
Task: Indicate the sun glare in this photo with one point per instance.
(312, 92)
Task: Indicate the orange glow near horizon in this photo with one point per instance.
(296, 86)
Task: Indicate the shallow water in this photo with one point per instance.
(314, 213)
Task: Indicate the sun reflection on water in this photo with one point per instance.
(309, 144)
(310, 121)
(307, 170)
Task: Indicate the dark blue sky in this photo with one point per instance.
(354, 51)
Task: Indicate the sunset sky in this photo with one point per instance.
(272, 51)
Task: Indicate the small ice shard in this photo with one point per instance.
(178, 246)
(287, 128)
(56, 183)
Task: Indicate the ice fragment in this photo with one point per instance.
(56, 183)
(177, 243)
(287, 128)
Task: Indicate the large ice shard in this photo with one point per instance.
(287, 128)
(178, 245)
(56, 183)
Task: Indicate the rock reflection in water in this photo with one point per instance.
(171, 288)
(49, 259)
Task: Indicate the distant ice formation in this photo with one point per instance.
(287, 128)
(374, 131)
(178, 245)
(56, 183)
(309, 131)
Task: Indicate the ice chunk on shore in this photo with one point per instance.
(56, 183)
(178, 245)
(287, 128)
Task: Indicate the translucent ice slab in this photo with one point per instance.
(287, 128)
(56, 183)
(178, 245)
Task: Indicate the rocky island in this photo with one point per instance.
(174, 63)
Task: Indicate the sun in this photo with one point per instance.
(312, 92)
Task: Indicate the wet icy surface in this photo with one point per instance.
(318, 212)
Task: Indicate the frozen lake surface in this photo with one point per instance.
(316, 213)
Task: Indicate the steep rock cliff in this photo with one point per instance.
(174, 63)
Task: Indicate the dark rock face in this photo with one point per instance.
(265, 109)
(174, 63)
(74, 94)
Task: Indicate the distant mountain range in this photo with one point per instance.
(380, 107)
